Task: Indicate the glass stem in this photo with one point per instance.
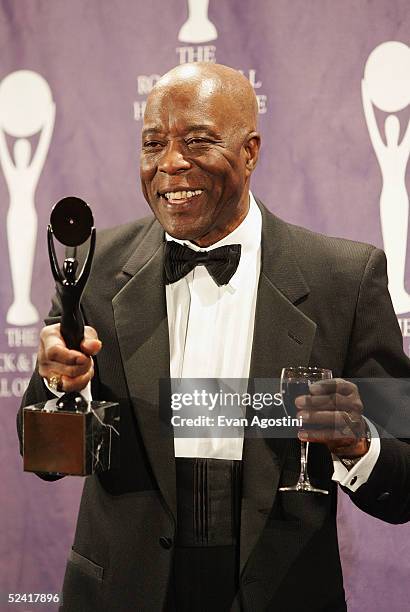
(304, 452)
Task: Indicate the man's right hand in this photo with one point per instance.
(75, 368)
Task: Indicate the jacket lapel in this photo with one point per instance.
(283, 336)
(140, 316)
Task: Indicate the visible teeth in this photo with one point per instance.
(181, 195)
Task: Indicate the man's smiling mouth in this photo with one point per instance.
(180, 196)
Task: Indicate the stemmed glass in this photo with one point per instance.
(294, 382)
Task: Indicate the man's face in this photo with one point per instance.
(194, 170)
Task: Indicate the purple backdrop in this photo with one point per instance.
(318, 168)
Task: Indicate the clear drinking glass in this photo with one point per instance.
(294, 382)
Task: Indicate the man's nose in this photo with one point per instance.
(173, 160)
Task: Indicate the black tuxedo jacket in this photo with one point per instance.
(321, 301)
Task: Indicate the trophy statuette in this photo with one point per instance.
(68, 435)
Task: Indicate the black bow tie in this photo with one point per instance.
(221, 263)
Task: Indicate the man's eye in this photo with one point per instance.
(197, 141)
(151, 144)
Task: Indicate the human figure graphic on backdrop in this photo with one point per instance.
(386, 84)
(26, 107)
(197, 28)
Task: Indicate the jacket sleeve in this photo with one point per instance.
(376, 352)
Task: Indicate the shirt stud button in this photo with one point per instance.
(383, 496)
(165, 542)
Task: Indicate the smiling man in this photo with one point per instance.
(199, 148)
(215, 286)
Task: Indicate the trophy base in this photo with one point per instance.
(70, 442)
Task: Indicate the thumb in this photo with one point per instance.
(91, 344)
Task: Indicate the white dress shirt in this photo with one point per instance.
(211, 335)
(211, 327)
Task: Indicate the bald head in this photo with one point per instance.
(199, 149)
(211, 79)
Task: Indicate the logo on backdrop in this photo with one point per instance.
(26, 108)
(386, 85)
(197, 28)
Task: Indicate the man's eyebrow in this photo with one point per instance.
(151, 130)
(203, 127)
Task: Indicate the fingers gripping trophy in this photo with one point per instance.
(26, 109)
(68, 434)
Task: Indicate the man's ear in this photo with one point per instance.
(252, 146)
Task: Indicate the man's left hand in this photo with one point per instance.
(332, 415)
